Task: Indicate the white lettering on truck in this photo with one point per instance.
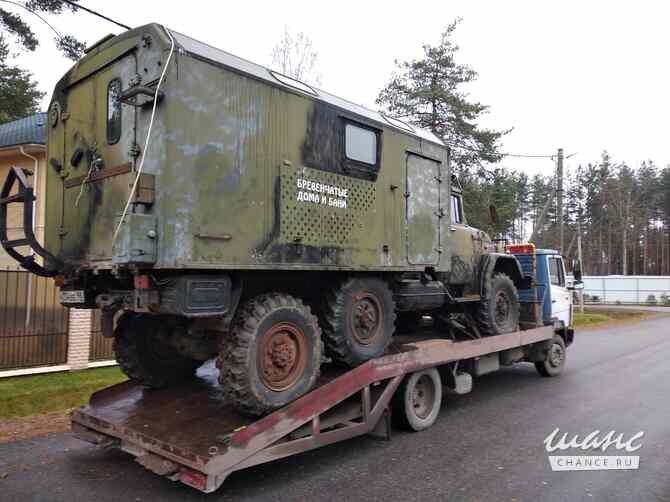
(320, 193)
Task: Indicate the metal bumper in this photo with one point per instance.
(24, 195)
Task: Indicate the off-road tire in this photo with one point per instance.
(498, 311)
(243, 363)
(341, 330)
(555, 361)
(144, 354)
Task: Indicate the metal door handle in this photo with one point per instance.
(452, 229)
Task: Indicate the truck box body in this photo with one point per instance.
(245, 169)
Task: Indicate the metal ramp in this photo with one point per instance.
(188, 433)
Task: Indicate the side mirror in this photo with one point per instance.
(493, 215)
(577, 271)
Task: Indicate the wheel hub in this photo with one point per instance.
(556, 355)
(283, 356)
(502, 307)
(367, 317)
(423, 396)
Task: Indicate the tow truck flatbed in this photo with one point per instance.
(188, 432)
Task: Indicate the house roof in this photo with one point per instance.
(224, 58)
(28, 130)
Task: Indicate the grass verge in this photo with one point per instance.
(37, 394)
(603, 317)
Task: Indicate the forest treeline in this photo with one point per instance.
(622, 211)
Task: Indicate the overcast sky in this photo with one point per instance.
(585, 75)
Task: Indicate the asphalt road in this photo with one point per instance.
(487, 445)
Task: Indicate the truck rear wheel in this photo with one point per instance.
(417, 402)
(498, 311)
(358, 320)
(272, 354)
(555, 362)
(143, 349)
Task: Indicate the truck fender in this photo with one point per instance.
(492, 263)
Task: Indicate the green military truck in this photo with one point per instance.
(211, 207)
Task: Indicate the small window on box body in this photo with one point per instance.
(113, 111)
(456, 210)
(360, 144)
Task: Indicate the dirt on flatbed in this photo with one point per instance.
(16, 429)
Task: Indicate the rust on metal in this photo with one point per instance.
(367, 319)
(283, 355)
(99, 175)
(191, 424)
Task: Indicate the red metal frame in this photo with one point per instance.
(348, 404)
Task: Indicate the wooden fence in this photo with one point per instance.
(33, 324)
(101, 347)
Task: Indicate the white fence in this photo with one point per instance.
(631, 289)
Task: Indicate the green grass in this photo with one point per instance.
(589, 319)
(32, 395)
(601, 317)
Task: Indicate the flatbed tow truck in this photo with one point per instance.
(189, 434)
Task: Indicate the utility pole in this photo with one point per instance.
(559, 198)
(581, 263)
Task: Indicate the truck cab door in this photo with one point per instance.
(423, 212)
(561, 301)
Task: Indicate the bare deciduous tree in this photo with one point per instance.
(294, 56)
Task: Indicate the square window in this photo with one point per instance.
(361, 144)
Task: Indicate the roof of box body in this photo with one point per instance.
(31, 130)
(215, 55)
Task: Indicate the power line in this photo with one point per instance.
(36, 14)
(528, 156)
(517, 155)
(95, 13)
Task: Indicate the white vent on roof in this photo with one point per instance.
(291, 82)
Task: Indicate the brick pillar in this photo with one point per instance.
(79, 338)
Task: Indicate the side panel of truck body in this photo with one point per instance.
(248, 171)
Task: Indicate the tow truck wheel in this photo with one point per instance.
(498, 311)
(271, 355)
(358, 320)
(555, 362)
(417, 402)
(144, 351)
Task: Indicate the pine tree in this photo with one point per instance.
(19, 95)
(427, 92)
(19, 28)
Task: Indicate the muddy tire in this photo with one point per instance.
(498, 312)
(272, 354)
(358, 320)
(144, 352)
(555, 362)
(416, 404)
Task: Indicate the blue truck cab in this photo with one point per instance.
(549, 301)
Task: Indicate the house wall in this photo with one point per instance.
(13, 157)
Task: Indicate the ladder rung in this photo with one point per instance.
(19, 197)
(16, 243)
